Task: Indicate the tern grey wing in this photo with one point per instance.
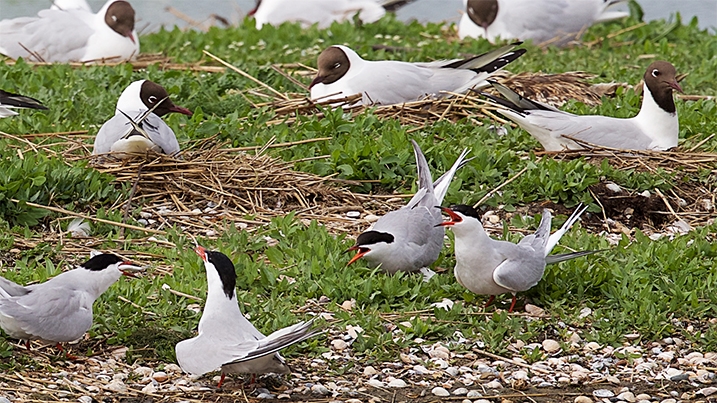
(10, 289)
(55, 35)
(276, 341)
(522, 271)
(51, 313)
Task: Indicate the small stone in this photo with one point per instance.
(583, 399)
(592, 346)
(371, 218)
(452, 371)
(472, 394)
(284, 396)
(575, 338)
(632, 336)
(149, 388)
(353, 401)
(116, 386)
(627, 396)
(397, 383)
(265, 396)
(613, 187)
(585, 312)
(643, 396)
(172, 369)
(520, 375)
(494, 219)
(534, 310)
(375, 383)
(145, 372)
(707, 391)
(551, 346)
(603, 393)
(339, 344)
(369, 371)
(160, 376)
(348, 305)
(493, 385)
(82, 399)
(669, 401)
(353, 214)
(439, 391)
(320, 389)
(460, 392)
(119, 353)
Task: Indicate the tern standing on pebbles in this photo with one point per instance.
(408, 239)
(487, 266)
(60, 309)
(656, 127)
(226, 339)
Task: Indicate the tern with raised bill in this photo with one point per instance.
(137, 126)
(656, 126)
(226, 339)
(60, 309)
(342, 72)
(487, 266)
(10, 101)
(555, 22)
(72, 35)
(408, 239)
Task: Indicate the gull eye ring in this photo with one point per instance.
(655, 72)
(152, 99)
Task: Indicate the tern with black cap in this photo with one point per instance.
(73, 35)
(60, 309)
(407, 239)
(226, 339)
(342, 72)
(487, 266)
(655, 127)
(10, 101)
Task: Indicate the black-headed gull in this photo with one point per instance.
(553, 21)
(321, 12)
(72, 35)
(487, 266)
(10, 101)
(655, 127)
(342, 72)
(226, 339)
(60, 309)
(407, 239)
(144, 103)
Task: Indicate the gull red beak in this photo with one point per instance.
(317, 80)
(253, 11)
(179, 109)
(201, 252)
(359, 255)
(454, 218)
(676, 86)
(129, 35)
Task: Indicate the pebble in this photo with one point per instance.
(369, 371)
(172, 369)
(669, 401)
(265, 396)
(375, 383)
(397, 383)
(439, 391)
(353, 214)
(583, 399)
(320, 389)
(339, 344)
(160, 376)
(493, 385)
(82, 399)
(643, 396)
(627, 396)
(116, 386)
(482, 401)
(460, 392)
(145, 372)
(603, 393)
(472, 394)
(371, 218)
(149, 388)
(551, 346)
(707, 391)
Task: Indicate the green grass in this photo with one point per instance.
(650, 287)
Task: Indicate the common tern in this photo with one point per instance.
(408, 239)
(226, 339)
(342, 72)
(656, 126)
(72, 35)
(487, 266)
(543, 21)
(60, 309)
(10, 101)
(142, 103)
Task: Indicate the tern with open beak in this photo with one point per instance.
(487, 266)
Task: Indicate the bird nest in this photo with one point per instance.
(205, 190)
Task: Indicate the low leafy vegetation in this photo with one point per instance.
(651, 287)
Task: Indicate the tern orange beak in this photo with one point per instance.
(359, 255)
(201, 252)
(454, 218)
